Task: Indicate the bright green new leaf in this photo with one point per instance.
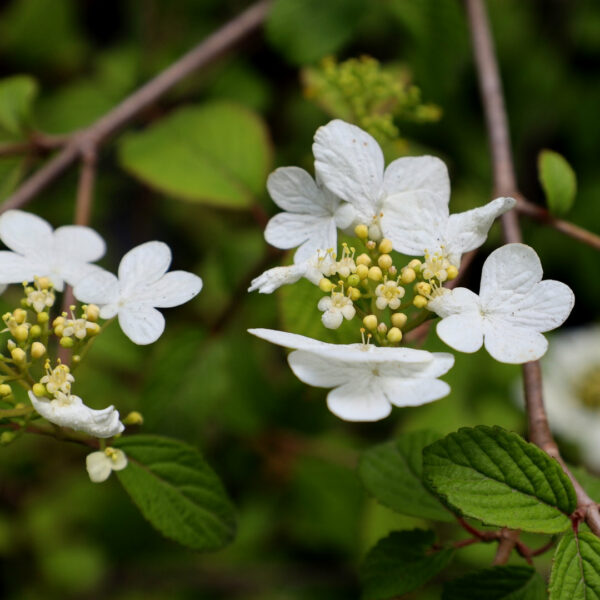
(218, 153)
(392, 472)
(497, 583)
(400, 563)
(497, 477)
(558, 181)
(576, 568)
(306, 30)
(177, 491)
(16, 99)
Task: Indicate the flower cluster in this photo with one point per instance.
(399, 208)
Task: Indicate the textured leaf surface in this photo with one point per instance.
(558, 181)
(400, 563)
(177, 491)
(497, 583)
(218, 154)
(392, 472)
(496, 476)
(576, 568)
(16, 98)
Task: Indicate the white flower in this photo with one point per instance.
(389, 294)
(367, 380)
(62, 255)
(336, 307)
(79, 328)
(101, 464)
(409, 199)
(142, 286)
(513, 307)
(68, 410)
(311, 218)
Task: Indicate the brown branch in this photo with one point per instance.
(505, 185)
(80, 142)
(508, 540)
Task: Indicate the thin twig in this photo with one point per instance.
(508, 540)
(80, 142)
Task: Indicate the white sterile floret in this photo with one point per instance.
(336, 307)
(311, 218)
(389, 294)
(512, 310)
(67, 410)
(408, 200)
(62, 255)
(101, 464)
(367, 380)
(143, 286)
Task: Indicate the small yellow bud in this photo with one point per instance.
(75, 359)
(18, 355)
(371, 245)
(423, 288)
(21, 333)
(370, 322)
(361, 231)
(385, 261)
(133, 418)
(414, 264)
(5, 389)
(35, 331)
(58, 321)
(353, 294)
(392, 271)
(420, 301)
(20, 315)
(39, 389)
(375, 274)
(362, 271)
(66, 342)
(43, 282)
(7, 437)
(42, 318)
(58, 330)
(37, 350)
(385, 246)
(10, 345)
(452, 272)
(93, 329)
(382, 328)
(354, 279)
(325, 285)
(92, 313)
(363, 259)
(394, 335)
(399, 320)
(408, 275)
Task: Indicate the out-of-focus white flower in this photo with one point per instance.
(367, 380)
(572, 389)
(311, 218)
(101, 464)
(513, 308)
(62, 255)
(143, 286)
(336, 308)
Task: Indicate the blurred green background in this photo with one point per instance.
(288, 464)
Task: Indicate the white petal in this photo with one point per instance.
(442, 362)
(26, 234)
(144, 264)
(348, 311)
(313, 369)
(453, 302)
(172, 289)
(468, 230)
(359, 401)
(417, 174)
(15, 268)
(513, 345)
(98, 466)
(270, 280)
(463, 332)
(413, 392)
(332, 319)
(345, 216)
(141, 324)
(74, 242)
(350, 163)
(119, 461)
(76, 415)
(324, 303)
(294, 190)
(288, 340)
(100, 287)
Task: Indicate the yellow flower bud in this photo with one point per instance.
(371, 245)
(370, 322)
(414, 264)
(325, 285)
(394, 335)
(408, 275)
(392, 271)
(58, 321)
(353, 293)
(10, 345)
(362, 271)
(43, 282)
(39, 389)
(92, 313)
(93, 329)
(21, 333)
(363, 259)
(5, 389)
(66, 342)
(58, 330)
(382, 328)
(35, 331)
(18, 355)
(420, 301)
(361, 231)
(452, 272)
(385, 261)
(385, 246)
(399, 320)
(37, 350)
(75, 359)
(133, 418)
(43, 317)
(354, 279)
(20, 315)
(375, 274)
(423, 288)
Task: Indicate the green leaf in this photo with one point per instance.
(392, 472)
(16, 99)
(558, 181)
(497, 583)
(177, 491)
(576, 568)
(218, 153)
(306, 30)
(497, 477)
(400, 563)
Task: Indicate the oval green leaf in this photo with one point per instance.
(558, 180)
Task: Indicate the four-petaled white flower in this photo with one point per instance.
(367, 379)
(143, 286)
(67, 410)
(62, 255)
(311, 218)
(336, 308)
(513, 308)
(101, 464)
